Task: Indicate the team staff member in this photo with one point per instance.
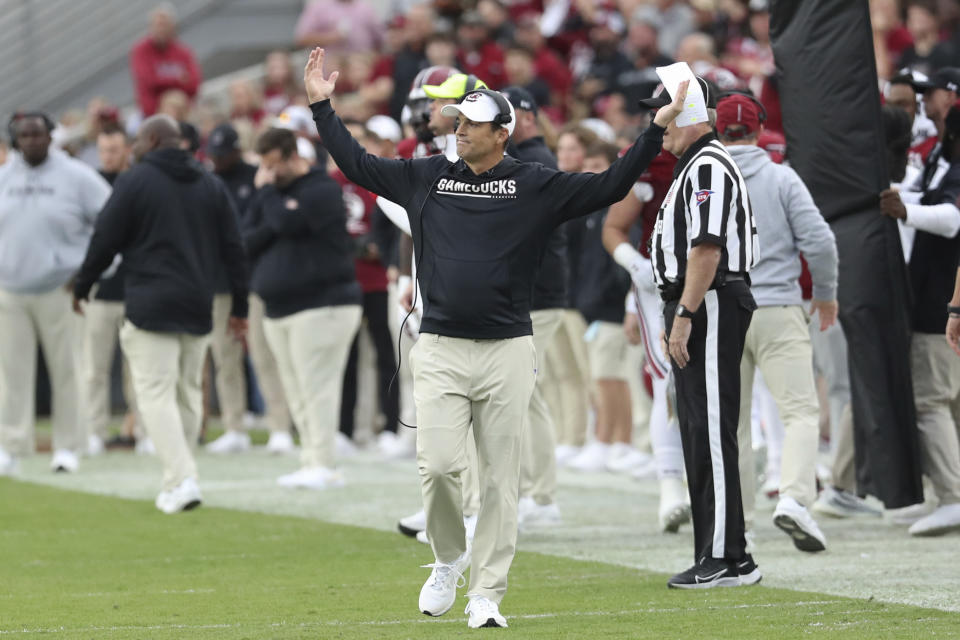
(48, 205)
(538, 478)
(302, 255)
(480, 226)
(172, 222)
(103, 319)
(704, 245)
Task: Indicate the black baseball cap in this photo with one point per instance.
(222, 141)
(661, 98)
(946, 78)
(520, 98)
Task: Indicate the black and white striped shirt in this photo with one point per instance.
(707, 202)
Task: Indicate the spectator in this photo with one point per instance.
(342, 27)
(48, 205)
(441, 50)
(479, 55)
(547, 64)
(160, 63)
(678, 22)
(174, 103)
(246, 102)
(927, 53)
(751, 57)
(521, 72)
(497, 18)
(699, 51)
(642, 46)
(608, 62)
(410, 60)
(280, 86)
(890, 36)
(901, 93)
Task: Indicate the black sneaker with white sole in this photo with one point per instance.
(706, 574)
(749, 571)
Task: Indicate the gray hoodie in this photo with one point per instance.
(788, 224)
(46, 220)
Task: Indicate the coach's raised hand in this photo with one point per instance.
(666, 115)
(318, 87)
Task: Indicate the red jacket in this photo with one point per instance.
(156, 70)
(359, 204)
(486, 64)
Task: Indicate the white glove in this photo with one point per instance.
(639, 268)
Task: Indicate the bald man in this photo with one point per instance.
(174, 224)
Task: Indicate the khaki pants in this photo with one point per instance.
(830, 361)
(567, 379)
(538, 478)
(25, 318)
(490, 382)
(228, 358)
(265, 366)
(311, 348)
(778, 344)
(936, 386)
(167, 371)
(101, 330)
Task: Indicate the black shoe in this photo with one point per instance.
(709, 572)
(120, 442)
(749, 571)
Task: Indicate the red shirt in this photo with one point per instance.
(918, 153)
(552, 70)
(485, 63)
(156, 70)
(360, 204)
(658, 175)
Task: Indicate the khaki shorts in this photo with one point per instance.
(607, 351)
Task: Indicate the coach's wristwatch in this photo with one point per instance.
(683, 312)
(953, 311)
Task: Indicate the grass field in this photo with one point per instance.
(87, 556)
(82, 566)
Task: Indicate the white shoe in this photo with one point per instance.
(251, 421)
(396, 447)
(184, 497)
(312, 478)
(646, 471)
(908, 516)
(674, 509)
(838, 503)
(95, 445)
(771, 486)
(592, 457)
(943, 520)
(565, 453)
(8, 464)
(531, 514)
(144, 447)
(630, 460)
(470, 526)
(422, 537)
(750, 536)
(794, 519)
(439, 592)
(412, 525)
(230, 442)
(484, 613)
(281, 443)
(344, 446)
(64, 460)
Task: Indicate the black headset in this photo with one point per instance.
(502, 118)
(23, 115)
(746, 93)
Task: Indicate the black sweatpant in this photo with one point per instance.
(375, 313)
(708, 409)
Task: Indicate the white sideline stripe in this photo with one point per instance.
(712, 376)
(425, 620)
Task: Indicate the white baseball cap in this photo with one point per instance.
(385, 128)
(480, 107)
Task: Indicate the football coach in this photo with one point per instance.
(480, 226)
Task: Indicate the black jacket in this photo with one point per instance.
(111, 289)
(239, 181)
(602, 284)
(550, 288)
(301, 252)
(173, 222)
(478, 238)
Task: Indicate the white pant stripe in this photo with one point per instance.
(711, 372)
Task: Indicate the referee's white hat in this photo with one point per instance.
(482, 106)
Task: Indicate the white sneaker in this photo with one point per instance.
(183, 497)
(794, 520)
(771, 486)
(95, 445)
(344, 446)
(628, 460)
(8, 464)
(412, 525)
(64, 460)
(230, 442)
(592, 457)
(144, 447)
(943, 520)
(838, 503)
(281, 443)
(422, 537)
(750, 536)
(312, 478)
(674, 508)
(565, 453)
(484, 613)
(646, 471)
(908, 516)
(396, 447)
(531, 514)
(439, 592)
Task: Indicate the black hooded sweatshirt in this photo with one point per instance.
(479, 238)
(301, 252)
(174, 223)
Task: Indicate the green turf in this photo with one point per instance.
(85, 566)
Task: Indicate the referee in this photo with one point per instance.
(479, 228)
(704, 244)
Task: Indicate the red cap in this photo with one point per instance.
(740, 111)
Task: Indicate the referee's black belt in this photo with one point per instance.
(674, 290)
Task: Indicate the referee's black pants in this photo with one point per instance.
(708, 409)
